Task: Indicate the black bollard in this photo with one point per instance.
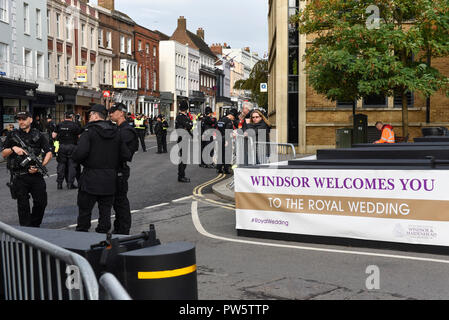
(162, 272)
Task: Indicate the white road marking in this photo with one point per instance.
(182, 199)
(201, 230)
(157, 205)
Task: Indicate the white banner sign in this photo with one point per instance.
(408, 206)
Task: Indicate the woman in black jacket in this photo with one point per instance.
(261, 126)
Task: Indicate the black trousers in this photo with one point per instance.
(161, 143)
(204, 144)
(34, 185)
(141, 135)
(224, 154)
(86, 203)
(67, 168)
(122, 222)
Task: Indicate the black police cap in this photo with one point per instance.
(98, 108)
(118, 107)
(23, 115)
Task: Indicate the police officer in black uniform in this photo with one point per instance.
(25, 177)
(183, 122)
(101, 152)
(225, 125)
(208, 122)
(67, 133)
(160, 129)
(122, 223)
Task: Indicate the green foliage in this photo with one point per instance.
(348, 59)
(258, 75)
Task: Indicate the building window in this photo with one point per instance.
(122, 44)
(105, 68)
(58, 25)
(147, 79)
(67, 69)
(4, 11)
(38, 24)
(67, 28)
(92, 38)
(154, 51)
(147, 47)
(100, 37)
(40, 65)
(48, 21)
(83, 35)
(26, 18)
(129, 46)
(154, 81)
(346, 104)
(139, 79)
(139, 45)
(58, 67)
(398, 99)
(49, 65)
(91, 76)
(375, 101)
(108, 39)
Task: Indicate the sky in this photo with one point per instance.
(239, 23)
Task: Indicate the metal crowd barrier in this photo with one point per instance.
(34, 269)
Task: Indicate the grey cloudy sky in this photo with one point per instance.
(239, 23)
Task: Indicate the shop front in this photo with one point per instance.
(44, 105)
(86, 98)
(128, 98)
(166, 105)
(15, 96)
(65, 101)
(148, 105)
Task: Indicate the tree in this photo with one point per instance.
(375, 47)
(258, 75)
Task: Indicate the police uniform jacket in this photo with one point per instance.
(129, 137)
(161, 128)
(33, 139)
(68, 132)
(101, 151)
(184, 122)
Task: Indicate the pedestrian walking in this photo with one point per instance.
(101, 152)
(160, 129)
(140, 126)
(226, 126)
(121, 206)
(67, 133)
(26, 178)
(183, 122)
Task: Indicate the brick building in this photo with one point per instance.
(146, 48)
(309, 120)
(207, 78)
(121, 27)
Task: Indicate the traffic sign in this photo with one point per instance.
(263, 87)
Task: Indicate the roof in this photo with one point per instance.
(200, 43)
(162, 35)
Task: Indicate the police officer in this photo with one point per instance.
(26, 179)
(51, 127)
(160, 129)
(208, 122)
(100, 150)
(140, 126)
(183, 122)
(67, 133)
(128, 134)
(225, 125)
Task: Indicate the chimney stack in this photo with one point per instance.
(182, 23)
(107, 4)
(200, 33)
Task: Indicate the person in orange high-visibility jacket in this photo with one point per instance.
(387, 133)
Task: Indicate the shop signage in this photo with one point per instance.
(81, 73)
(120, 79)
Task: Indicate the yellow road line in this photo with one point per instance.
(165, 274)
(197, 193)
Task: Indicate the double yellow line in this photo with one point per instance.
(198, 193)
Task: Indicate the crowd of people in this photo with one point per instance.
(95, 158)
